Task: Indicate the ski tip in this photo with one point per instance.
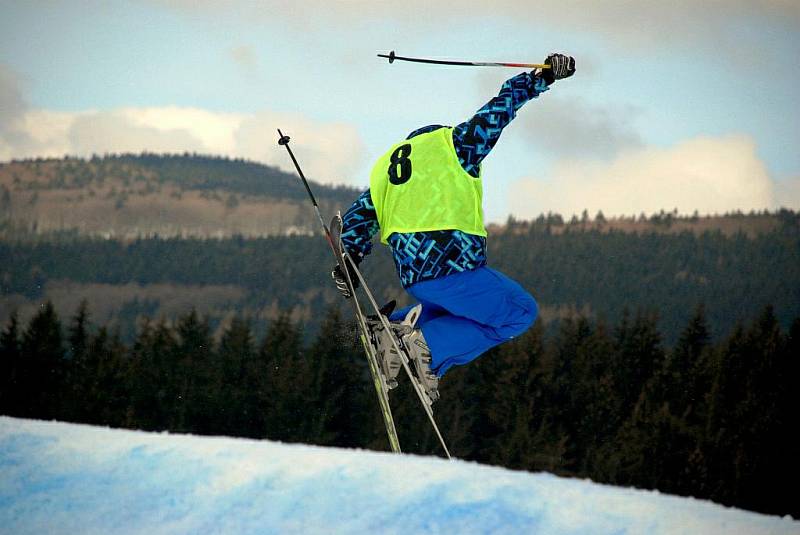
(412, 316)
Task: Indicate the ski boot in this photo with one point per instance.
(388, 358)
(419, 353)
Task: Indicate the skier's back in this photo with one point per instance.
(425, 197)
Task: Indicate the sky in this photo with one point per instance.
(66, 478)
(690, 104)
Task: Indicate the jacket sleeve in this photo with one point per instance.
(475, 138)
(359, 224)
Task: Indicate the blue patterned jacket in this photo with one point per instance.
(421, 256)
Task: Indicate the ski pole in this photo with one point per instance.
(392, 56)
(340, 260)
(284, 140)
(341, 257)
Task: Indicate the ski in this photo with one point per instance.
(425, 400)
(381, 386)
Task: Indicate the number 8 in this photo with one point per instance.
(401, 163)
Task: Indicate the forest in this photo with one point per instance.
(566, 267)
(610, 402)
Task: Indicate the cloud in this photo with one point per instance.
(245, 56)
(572, 127)
(329, 152)
(642, 25)
(214, 129)
(615, 12)
(711, 175)
(12, 105)
(113, 132)
(12, 109)
(787, 193)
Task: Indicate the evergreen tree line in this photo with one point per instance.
(707, 419)
(177, 378)
(601, 272)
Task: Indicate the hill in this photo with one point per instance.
(165, 195)
(154, 235)
(129, 196)
(61, 478)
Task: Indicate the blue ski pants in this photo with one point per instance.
(468, 313)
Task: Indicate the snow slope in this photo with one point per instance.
(65, 478)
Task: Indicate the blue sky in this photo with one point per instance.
(690, 105)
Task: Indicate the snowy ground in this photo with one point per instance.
(63, 478)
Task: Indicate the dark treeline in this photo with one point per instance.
(600, 272)
(710, 419)
(177, 378)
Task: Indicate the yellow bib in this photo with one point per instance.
(419, 185)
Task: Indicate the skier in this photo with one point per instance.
(425, 197)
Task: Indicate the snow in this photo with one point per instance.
(67, 478)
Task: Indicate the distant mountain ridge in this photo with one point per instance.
(191, 195)
(132, 195)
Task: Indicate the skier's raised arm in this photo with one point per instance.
(475, 138)
(459, 245)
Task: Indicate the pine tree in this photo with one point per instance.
(194, 361)
(788, 401)
(514, 400)
(78, 334)
(341, 386)
(654, 447)
(768, 425)
(238, 380)
(595, 403)
(285, 393)
(574, 334)
(687, 382)
(661, 440)
(746, 426)
(105, 396)
(638, 355)
(151, 376)
(10, 361)
(77, 373)
(723, 426)
(42, 365)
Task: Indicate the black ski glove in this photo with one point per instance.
(340, 280)
(561, 67)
